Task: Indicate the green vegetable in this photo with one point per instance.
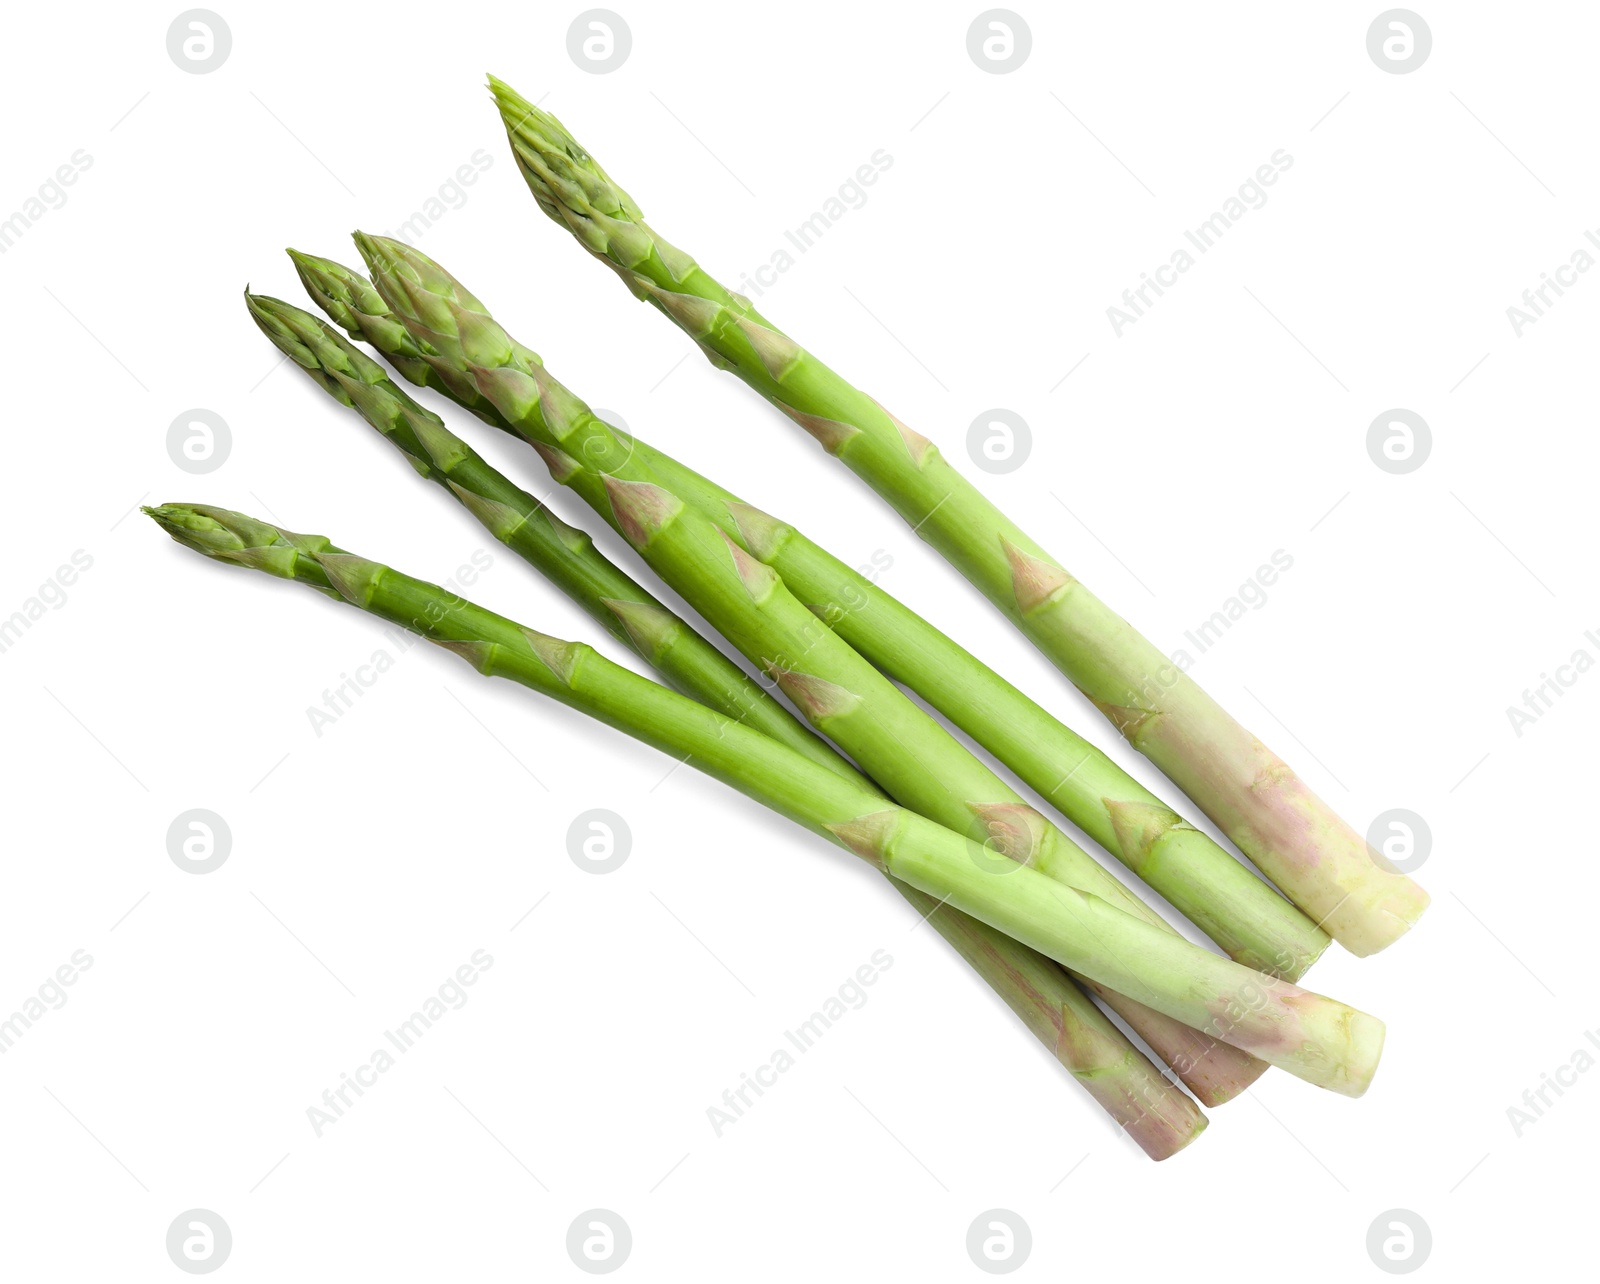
(842, 695)
(1319, 1039)
(1322, 864)
(1159, 1117)
(1243, 915)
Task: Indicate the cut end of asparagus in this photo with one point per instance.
(1320, 1040)
(1331, 1045)
(1155, 1113)
(1390, 913)
(1367, 1036)
(1214, 1071)
(1162, 1133)
(1348, 888)
(1159, 1118)
(1382, 906)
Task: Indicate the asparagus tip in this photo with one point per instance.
(369, 244)
(262, 306)
(394, 262)
(558, 170)
(506, 98)
(174, 520)
(216, 532)
(344, 371)
(530, 124)
(343, 293)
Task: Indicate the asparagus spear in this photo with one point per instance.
(1322, 864)
(1246, 918)
(1215, 1074)
(1316, 1038)
(840, 694)
(1157, 1115)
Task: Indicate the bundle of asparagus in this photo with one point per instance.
(1034, 914)
(1160, 1118)
(1317, 1039)
(1237, 910)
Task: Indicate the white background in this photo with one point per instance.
(370, 861)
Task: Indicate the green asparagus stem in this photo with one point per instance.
(1158, 1116)
(1322, 864)
(1247, 918)
(1244, 916)
(843, 696)
(1317, 1038)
